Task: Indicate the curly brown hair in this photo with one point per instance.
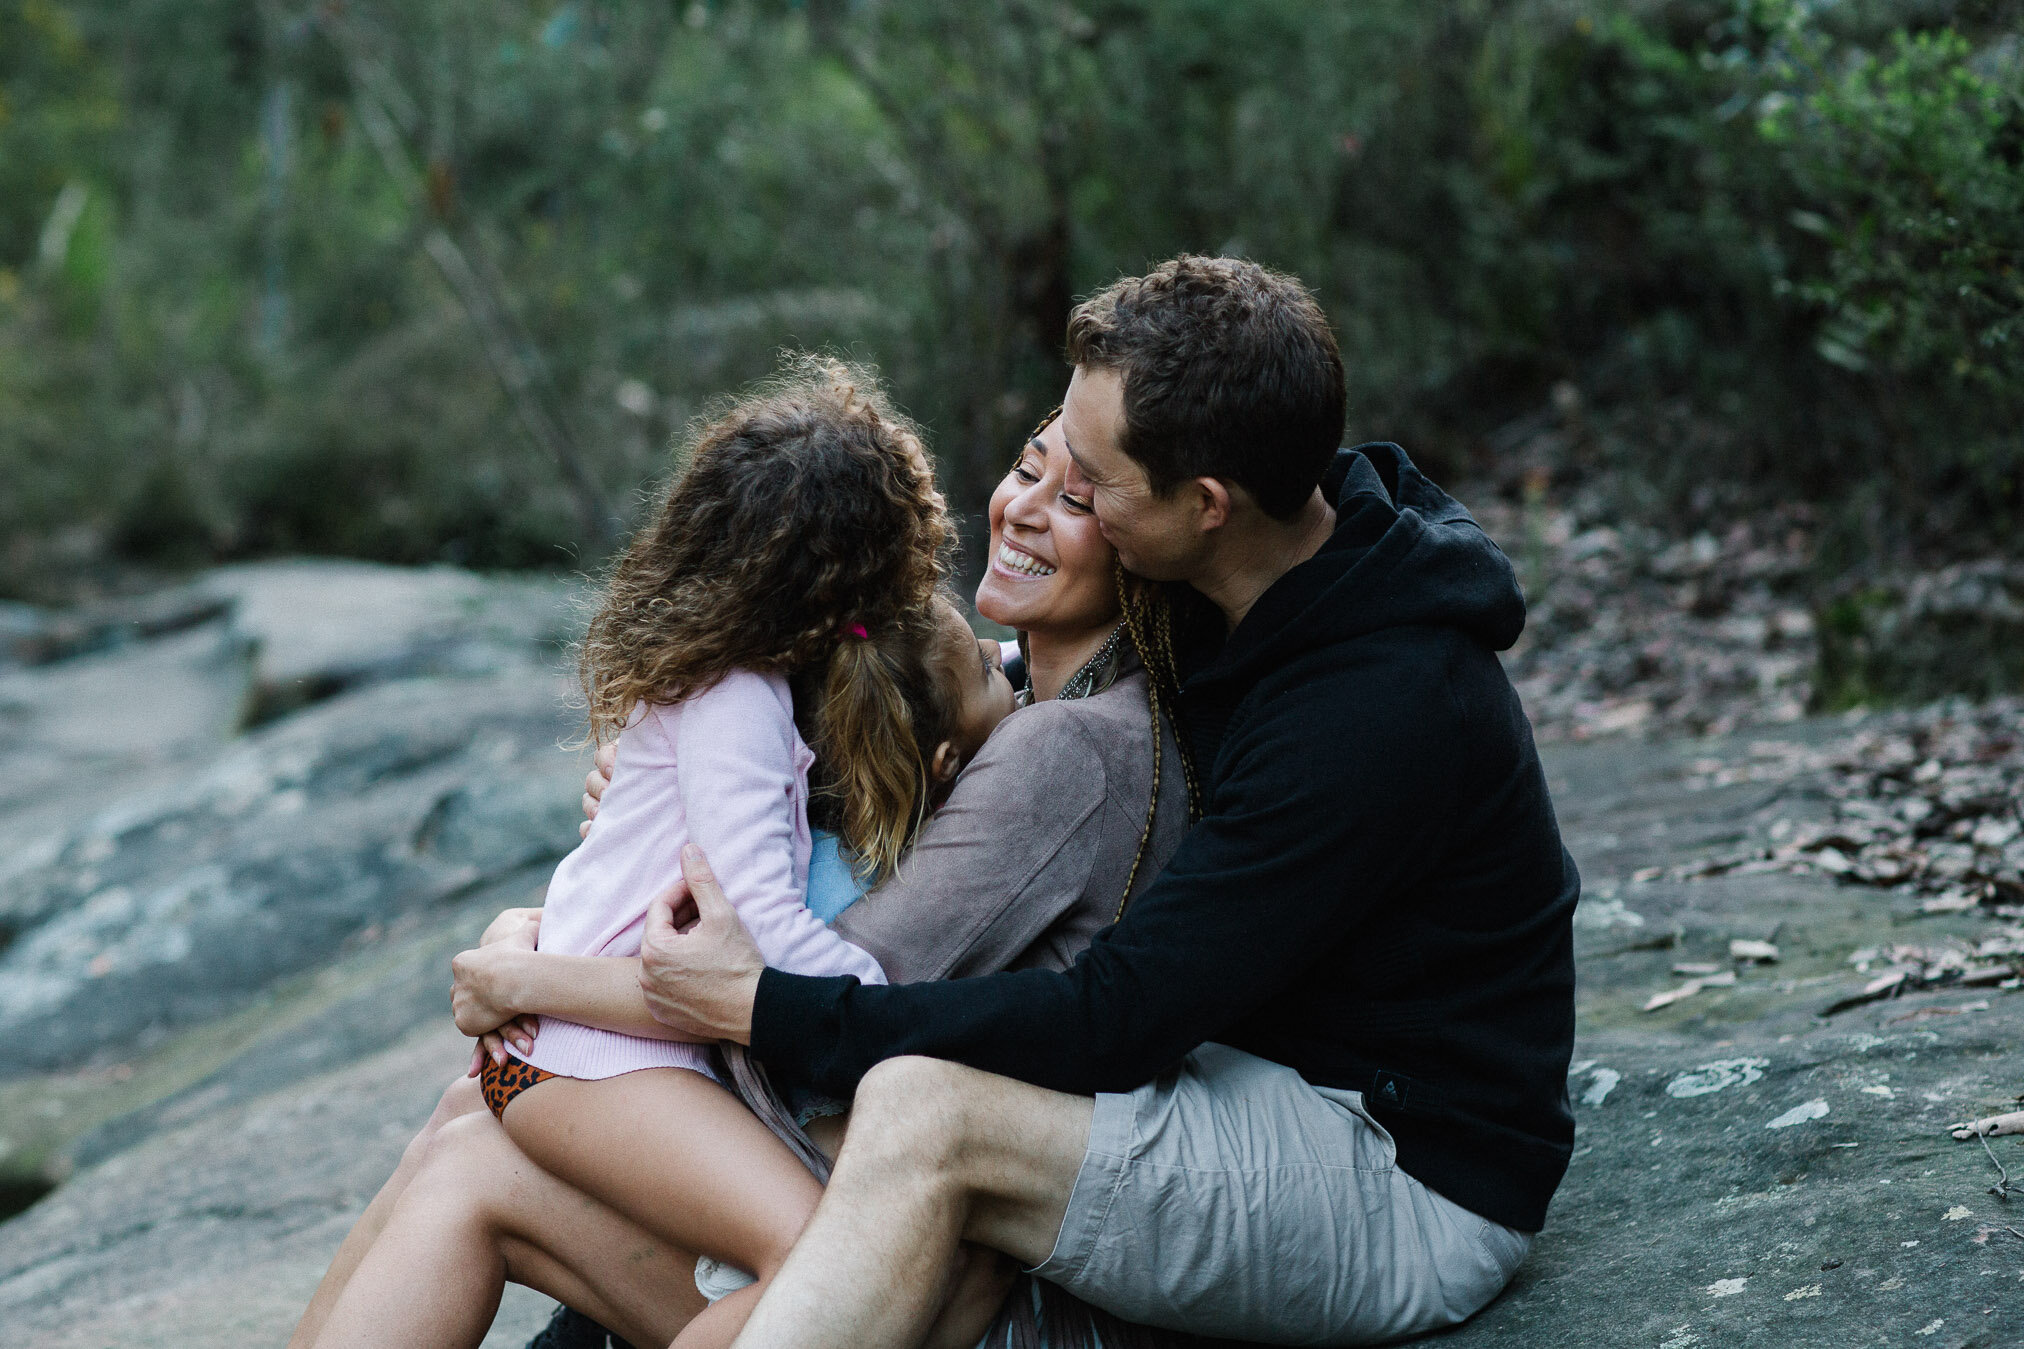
(803, 514)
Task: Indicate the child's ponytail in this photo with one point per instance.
(870, 732)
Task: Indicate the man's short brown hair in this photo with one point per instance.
(1230, 371)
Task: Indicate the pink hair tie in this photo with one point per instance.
(857, 630)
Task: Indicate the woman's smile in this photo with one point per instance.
(1020, 563)
(1051, 571)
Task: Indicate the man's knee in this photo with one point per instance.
(916, 1109)
(1007, 1152)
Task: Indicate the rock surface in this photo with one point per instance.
(1747, 1171)
(227, 1057)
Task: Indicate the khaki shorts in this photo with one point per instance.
(1229, 1198)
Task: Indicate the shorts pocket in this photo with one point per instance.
(1378, 1141)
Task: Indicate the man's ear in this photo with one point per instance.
(943, 765)
(1213, 503)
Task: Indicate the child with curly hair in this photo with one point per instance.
(793, 566)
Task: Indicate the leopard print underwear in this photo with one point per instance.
(501, 1082)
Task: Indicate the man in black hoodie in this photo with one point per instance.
(1312, 1086)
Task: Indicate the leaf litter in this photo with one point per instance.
(1925, 804)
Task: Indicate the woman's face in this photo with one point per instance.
(1050, 569)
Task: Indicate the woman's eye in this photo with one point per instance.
(1076, 504)
(1025, 474)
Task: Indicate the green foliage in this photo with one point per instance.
(441, 279)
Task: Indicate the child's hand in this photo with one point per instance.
(519, 927)
(478, 998)
(595, 782)
(519, 1032)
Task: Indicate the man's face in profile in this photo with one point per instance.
(1156, 536)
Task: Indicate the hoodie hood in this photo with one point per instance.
(1404, 554)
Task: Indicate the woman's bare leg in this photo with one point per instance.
(477, 1213)
(683, 1158)
(462, 1098)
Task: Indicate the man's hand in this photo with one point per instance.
(595, 782)
(699, 977)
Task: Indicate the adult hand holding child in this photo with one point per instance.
(699, 967)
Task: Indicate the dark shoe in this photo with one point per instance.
(568, 1329)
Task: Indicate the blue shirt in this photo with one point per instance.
(833, 883)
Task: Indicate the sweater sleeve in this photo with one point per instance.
(1304, 833)
(1008, 853)
(735, 750)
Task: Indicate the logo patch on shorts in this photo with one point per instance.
(1390, 1089)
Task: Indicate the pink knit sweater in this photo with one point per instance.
(726, 769)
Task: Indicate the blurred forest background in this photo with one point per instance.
(440, 280)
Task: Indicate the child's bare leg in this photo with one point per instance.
(476, 1213)
(462, 1098)
(680, 1156)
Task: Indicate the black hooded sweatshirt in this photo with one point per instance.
(1376, 896)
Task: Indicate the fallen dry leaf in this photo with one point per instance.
(1931, 1013)
(1689, 988)
(1990, 1126)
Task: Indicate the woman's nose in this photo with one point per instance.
(1028, 507)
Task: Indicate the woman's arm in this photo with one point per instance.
(494, 984)
(1005, 857)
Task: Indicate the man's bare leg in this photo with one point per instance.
(462, 1098)
(937, 1154)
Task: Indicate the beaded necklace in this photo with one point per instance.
(1084, 681)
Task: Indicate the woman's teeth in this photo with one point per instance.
(1013, 560)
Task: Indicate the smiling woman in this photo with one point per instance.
(1051, 572)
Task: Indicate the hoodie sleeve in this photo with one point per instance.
(1304, 833)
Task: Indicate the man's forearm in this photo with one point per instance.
(601, 991)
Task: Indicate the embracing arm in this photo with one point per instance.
(1303, 834)
(493, 984)
(736, 747)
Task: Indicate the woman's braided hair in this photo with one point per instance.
(1148, 620)
(801, 535)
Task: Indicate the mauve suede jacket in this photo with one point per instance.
(1027, 859)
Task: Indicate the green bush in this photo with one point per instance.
(228, 325)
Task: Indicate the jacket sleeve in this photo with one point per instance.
(1304, 833)
(1008, 853)
(735, 750)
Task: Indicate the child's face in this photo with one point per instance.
(974, 682)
